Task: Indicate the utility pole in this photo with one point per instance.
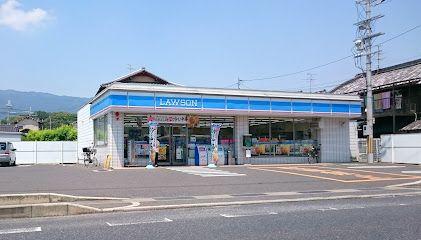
(9, 107)
(238, 83)
(310, 79)
(129, 66)
(364, 44)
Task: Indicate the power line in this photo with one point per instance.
(298, 72)
(328, 63)
(401, 34)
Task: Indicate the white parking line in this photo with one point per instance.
(247, 215)
(380, 167)
(138, 223)
(205, 172)
(20, 230)
(411, 171)
(328, 209)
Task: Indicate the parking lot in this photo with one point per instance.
(188, 181)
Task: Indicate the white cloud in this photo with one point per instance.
(11, 15)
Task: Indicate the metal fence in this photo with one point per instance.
(362, 150)
(46, 152)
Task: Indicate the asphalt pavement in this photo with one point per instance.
(179, 182)
(376, 218)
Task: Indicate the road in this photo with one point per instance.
(375, 218)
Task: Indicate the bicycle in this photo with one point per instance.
(313, 155)
(89, 157)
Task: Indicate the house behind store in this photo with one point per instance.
(396, 96)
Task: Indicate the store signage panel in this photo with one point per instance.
(178, 102)
(225, 103)
(281, 106)
(237, 104)
(340, 108)
(118, 100)
(174, 119)
(141, 101)
(214, 103)
(355, 108)
(301, 106)
(259, 105)
(322, 107)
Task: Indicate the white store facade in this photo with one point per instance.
(256, 127)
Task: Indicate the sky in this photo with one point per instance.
(71, 47)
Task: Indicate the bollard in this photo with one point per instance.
(107, 162)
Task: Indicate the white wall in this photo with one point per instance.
(401, 148)
(353, 139)
(10, 137)
(335, 140)
(54, 152)
(116, 139)
(241, 127)
(85, 129)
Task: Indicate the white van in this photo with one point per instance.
(7, 154)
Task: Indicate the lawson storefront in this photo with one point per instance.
(256, 127)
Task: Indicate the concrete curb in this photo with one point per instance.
(197, 205)
(37, 198)
(45, 210)
(65, 209)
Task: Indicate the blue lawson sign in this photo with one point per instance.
(174, 102)
(227, 103)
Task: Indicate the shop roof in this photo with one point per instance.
(400, 74)
(174, 89)
(414, 126)
(139, 76)
(8, 128)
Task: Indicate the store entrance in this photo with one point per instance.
(172, 145)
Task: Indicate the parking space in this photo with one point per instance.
(338, 173)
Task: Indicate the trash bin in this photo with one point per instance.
(230, 159)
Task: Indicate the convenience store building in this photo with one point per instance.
(256, 127)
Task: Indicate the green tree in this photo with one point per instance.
(63, 133)
(62, 118)
(12, 119)
(42, 115)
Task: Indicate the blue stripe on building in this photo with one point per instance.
(224, 104)
(211, 103)
(141, 101)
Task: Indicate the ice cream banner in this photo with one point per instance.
(215, 127)
(153, 126)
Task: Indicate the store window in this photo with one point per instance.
(101, 131)
(282, 136)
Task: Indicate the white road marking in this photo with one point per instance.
(405, 184)
(337, 209)
(344, 190)
(282, 193)
(247, 215)
(411, 171)
(328, 209)
(205, 172)
(105, 170)
(165, 220)
(377, 167)
(21, 230)
(213, 196)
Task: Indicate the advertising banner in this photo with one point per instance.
(215, 127)
(153, 127)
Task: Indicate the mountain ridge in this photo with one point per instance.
(25, 101)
